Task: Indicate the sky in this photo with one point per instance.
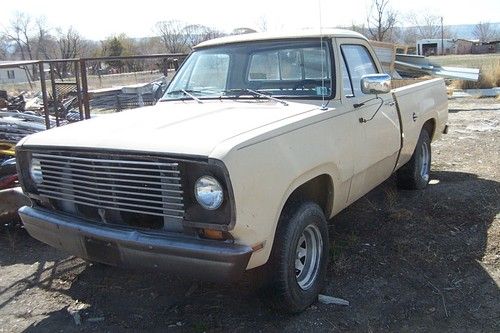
(98, 19)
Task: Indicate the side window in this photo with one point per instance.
(346, 80)
(359, 63)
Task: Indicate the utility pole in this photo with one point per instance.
(442, 37)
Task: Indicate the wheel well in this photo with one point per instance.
(318, 190)
(430, 126)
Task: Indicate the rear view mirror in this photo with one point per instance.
(375, 84)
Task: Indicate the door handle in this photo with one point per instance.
(415, 117)
(390, 103)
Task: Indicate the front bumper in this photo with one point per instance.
(204, 259)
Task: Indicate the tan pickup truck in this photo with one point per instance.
(258, 141)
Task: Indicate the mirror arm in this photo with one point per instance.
(358, 105)
(364, 120)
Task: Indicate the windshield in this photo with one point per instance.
(300, 69)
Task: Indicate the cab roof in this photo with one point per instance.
(261, 36)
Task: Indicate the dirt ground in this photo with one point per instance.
(406, 261)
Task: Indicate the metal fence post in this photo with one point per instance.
(85, 88)
(43, 87)
(54, 93)
(78, 88)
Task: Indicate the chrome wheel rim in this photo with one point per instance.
(308, 256)
(426, 159)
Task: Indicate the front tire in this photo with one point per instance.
(415, 174)
(299, 258)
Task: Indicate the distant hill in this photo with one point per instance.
(466, 31)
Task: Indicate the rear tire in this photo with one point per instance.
(415, 174)
(299, 259)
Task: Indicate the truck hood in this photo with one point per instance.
(177, 127)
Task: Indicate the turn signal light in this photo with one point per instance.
(213, 234)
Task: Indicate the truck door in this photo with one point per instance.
(378, 125)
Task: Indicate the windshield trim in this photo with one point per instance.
(330, 51)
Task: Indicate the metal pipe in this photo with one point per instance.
(54, 92)
(78, 88)
(145, 56)
(43, 87)
(85, 88)
(442, 37)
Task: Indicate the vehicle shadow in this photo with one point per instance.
(405, 260)
(27, 263)
(17, 246)
(420, 259)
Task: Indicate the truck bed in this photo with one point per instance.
(418, 103)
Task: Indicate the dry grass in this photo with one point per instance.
(487, 79)
(489, 64)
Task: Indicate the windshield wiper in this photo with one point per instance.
(187, 93)
(256, 93)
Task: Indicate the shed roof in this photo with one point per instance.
(18, 63)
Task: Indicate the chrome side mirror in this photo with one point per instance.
(375, 84)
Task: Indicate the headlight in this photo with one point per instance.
(36, 171)
(208, 192)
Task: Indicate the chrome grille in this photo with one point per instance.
(129, 183)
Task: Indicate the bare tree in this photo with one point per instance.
(44, 43)
(197, 33)
(427, 26)
(360, 28)
(381, 20)
(4, 47)
(69, 44)
(32, 38)
(424, 26)
(173, 35)
(485, 32)
(20, 32)
(409, 35)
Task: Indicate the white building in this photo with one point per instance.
(12, 75)
(429, 47)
